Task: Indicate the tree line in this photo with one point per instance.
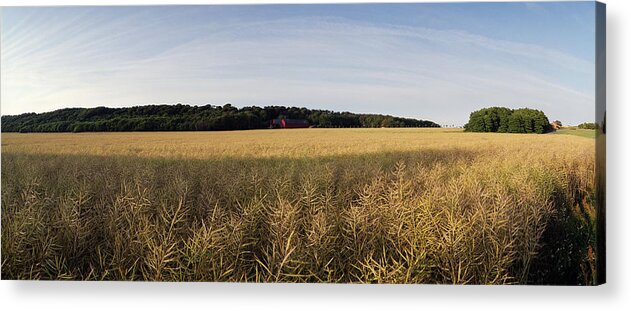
(181, 117)
(506, 120)
(588, 126)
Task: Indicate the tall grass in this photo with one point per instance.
(455, 213)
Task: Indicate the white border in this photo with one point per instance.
(181, 296)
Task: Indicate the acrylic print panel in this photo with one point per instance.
(450, 143)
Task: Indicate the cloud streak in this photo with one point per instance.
(91, 57)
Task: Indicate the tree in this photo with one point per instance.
(189, 118)
(588, 126)
(505, 120)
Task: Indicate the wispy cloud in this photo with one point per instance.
(90, 58)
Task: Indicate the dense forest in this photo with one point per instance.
(505, 120)
(191, 118)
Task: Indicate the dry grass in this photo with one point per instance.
(295, 144)
(316, 205)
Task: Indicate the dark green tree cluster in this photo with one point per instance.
(191, 118)
(588, 126)
(505, 120)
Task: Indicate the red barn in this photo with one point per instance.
(289, 123)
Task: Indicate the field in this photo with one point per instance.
(308, 205)
(577, 132)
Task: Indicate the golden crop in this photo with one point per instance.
(295, 143)
(307, 205)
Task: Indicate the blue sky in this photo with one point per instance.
(432, 61)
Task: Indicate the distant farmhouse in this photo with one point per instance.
(289, 123)
(556, 124)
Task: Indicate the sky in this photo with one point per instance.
(436, 61)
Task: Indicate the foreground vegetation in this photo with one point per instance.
(191, 118)
(313, 205)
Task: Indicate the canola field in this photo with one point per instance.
(305, 205)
